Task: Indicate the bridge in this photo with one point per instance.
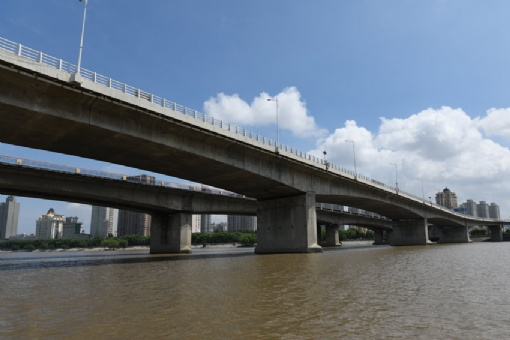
(30, 178)
(45, 104)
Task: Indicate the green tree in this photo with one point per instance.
(110, 244)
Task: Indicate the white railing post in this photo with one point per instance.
(124, 88)
(152, 98)
(94, 77)
(163, 102)
(60, 64)
(40, 57)
(19, 49)
(109, 82)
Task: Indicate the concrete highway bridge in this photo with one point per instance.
(29, 178)
(46, 104)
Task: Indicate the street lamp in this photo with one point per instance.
(396, 175)
(82, 31)
(354, 156)
(326, 163)
(275, 99)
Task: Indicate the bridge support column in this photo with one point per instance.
(454, 235)
(381, 237)
(332, 239)
(287, 225)
(410, 233)
(170, 234)
(496, 233)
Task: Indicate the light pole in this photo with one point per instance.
(396, 175)
(275, 99)
(81, 40)
(354, 156)
(326, 163)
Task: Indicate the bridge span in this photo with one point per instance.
(31, 178)
(45, 105)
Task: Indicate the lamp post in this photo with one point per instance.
(81, 40)
(354, 156)
(275, 99)
(326, 163)
(396, 176)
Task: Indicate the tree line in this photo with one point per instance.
(218, 237)
(59, 243)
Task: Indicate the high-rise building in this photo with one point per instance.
(135, 223)
(72, 228)
(242, 223)
(482, 209)
(9, 214)
(50, 225)
(196, 223)
(205, 224)
(102, 222)
(469, 208)
(447, 199)
(494, 211)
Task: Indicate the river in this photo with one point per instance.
(451, 291)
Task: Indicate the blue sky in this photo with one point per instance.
(422, 84)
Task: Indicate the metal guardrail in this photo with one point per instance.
(62, 65)
(113, 176)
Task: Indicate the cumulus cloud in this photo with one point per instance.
(441, 147)
(496, 123)
(292, 112)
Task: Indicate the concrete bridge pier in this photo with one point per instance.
(453, 235)
(332, 239)
(381, 237)
(170, 234)
(496, 233)
(287, 225)
(410, 233)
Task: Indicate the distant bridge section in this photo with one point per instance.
(31, 178)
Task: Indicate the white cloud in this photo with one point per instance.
(496, 123)
(442, 147)
(292, 112)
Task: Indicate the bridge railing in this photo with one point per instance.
(48, 60)
(110, 175)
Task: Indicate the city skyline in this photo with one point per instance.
(421, 90)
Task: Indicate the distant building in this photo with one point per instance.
(222, 226)
(9, 214)
(205, 223)
(469, 208)
(102, 222)
(241, 223)
(135, 223)
(494, 211)
(73, 229)
(447, 199)
(482, 209)
(50, 225)
(196, 223)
